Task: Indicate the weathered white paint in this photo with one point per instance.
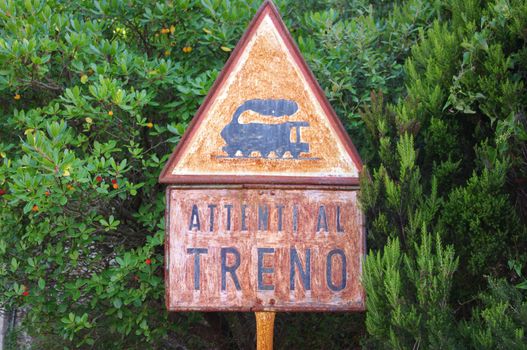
(266, 69)
(191, 225)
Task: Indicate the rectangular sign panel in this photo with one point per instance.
(254, 249)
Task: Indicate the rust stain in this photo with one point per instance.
(267, 69)
(264, 330)
(249, 249)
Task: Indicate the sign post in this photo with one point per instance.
(264, 330)
(262, 211)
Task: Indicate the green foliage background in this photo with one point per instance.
(95, 95)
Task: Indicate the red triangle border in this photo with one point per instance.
(268, 7)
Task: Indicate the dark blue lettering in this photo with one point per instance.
(244, 224)
(229, 208)
(305, 274)
(339, 227)
(280, 214)
(263, 218)
(194, 219)
(295, 218)
(262, 269)
(197, 252)
(329, 270)
(230, 269)
(212, 207)
(322, 220)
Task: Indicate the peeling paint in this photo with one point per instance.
(262, 211)
(240, 250)
(265, 66)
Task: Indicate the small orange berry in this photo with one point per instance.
(35, 208)
(187, 49)
(150, 125)
(47, 193)
(17, 97)
(115, 186)
(69, 187)
(110, 113)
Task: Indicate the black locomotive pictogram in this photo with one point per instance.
(264, 138)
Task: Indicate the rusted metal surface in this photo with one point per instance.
(264, 330)
(248, 249)
(265, 120)
(262, 213)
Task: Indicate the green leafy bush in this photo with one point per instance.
(450, 157)
(501, 321)
(408, 296)
(94, 97)
(408, 303)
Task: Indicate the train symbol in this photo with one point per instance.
(265, 138)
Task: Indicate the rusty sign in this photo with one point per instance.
(264, 249)
(265, 120)
(262, 209)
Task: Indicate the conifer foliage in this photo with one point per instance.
(94, 96)
(451, 160)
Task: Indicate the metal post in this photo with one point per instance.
(264, 330)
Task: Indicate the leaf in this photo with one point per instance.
(117, 302)
(14, 264)
(41, 283)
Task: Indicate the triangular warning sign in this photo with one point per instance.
(265, 120)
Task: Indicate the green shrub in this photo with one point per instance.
(408, 296)
(451, 157)
(408, 303)
(501, 321)
(95, 95)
